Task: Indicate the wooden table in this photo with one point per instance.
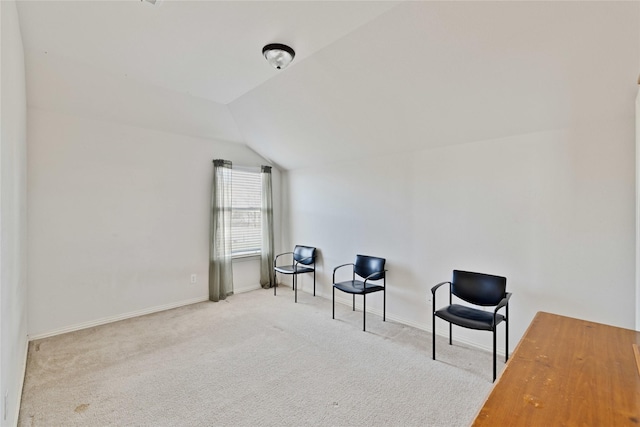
(567, 372)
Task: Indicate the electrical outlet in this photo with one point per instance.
(194, 278)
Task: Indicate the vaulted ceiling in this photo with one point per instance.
(369, 78)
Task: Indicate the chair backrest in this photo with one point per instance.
(367, 265)
(478, 288)
(301, 253)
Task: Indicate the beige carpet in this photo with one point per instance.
(252, 360)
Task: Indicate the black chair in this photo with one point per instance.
(303, 261)
(481, 290)
(370, 269)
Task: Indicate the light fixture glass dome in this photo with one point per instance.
(278, 55)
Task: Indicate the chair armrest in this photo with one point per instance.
(504, 302)
(374, 274)
(334, 270)
(433, 299)
(276, 258)
(435, 288)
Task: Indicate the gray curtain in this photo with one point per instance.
(220, 269)
(266, 254)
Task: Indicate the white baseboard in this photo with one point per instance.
(340, 300)
(23, 371)
(21, 385)
(129, 315)
(116, 318)
(244, 289)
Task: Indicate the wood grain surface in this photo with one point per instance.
(567, 372)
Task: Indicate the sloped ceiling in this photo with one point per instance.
(369, 78)
(429, 74)
(175, 66)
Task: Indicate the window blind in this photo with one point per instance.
(246, 199)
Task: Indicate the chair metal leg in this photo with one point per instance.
(275, 283)
(333, 315)
(364, 310)
(433, 327)
(433, 335)
(450, 334)
(354, 301)
(494, 353)
(314, 282)
(506, 338)
(384, 304)
(295, 286)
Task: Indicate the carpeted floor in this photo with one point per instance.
(252, 360)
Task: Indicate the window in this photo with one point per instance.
(246, 201)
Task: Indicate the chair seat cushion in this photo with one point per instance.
(290, 269)
(357, 287)
(469, 317)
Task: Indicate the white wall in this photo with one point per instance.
(13, 145)
(119, 219)
(552, 211)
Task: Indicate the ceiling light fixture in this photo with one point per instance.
(278, 55)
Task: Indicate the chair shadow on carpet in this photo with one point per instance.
(471, 359)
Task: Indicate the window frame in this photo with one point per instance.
(251, 253)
